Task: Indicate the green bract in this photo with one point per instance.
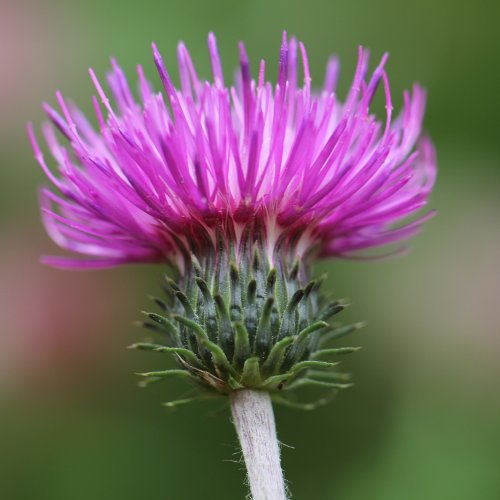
(237, 318)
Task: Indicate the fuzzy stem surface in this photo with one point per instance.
(253, 418)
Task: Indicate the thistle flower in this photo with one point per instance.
(304, 165)
(239, 189)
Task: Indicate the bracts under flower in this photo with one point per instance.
(241, 316)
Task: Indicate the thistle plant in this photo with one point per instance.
(238, 190)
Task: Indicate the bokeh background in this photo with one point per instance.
(423, 421)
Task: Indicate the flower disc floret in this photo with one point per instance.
(165, 167)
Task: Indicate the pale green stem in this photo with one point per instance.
(253, 418)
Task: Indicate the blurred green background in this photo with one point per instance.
(423, 421)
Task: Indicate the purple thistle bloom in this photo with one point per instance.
(325, 174)
(239, 188)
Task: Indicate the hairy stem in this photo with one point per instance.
(254, 421)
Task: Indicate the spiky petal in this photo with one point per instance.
(168, 167)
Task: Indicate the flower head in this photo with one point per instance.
(238, 188)
(162, 171)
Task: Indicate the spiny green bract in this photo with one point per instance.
(248, 325)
